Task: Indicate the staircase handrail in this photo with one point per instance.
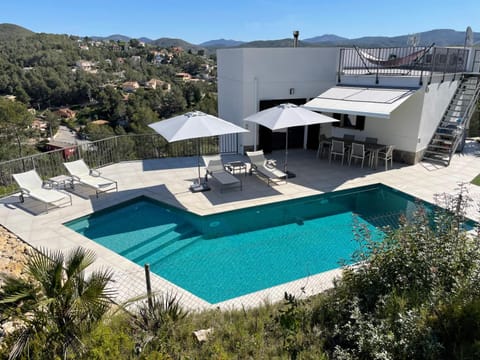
(465, 117)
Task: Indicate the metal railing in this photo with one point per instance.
(111, 150)
(467, 115)
(401, 61)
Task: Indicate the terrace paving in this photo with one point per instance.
(168, 180)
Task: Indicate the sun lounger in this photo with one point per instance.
(81, 173)
(215, 168)
(32, 185)
(265, 168)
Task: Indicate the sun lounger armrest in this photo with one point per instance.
(75, 178)
(24, 191)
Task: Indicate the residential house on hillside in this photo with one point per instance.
(66, 113)
(158, 84)
(100, 122)
(161, 57)
(10, 97)
(130, 86)
(183, 76)
(85, 65)
(39, 125)
(418, 99)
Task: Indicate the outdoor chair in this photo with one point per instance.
(358, 152)
(265, 168)
(386, 155)
(337, 149)
(216, 169)
(348, 137)
(32, 185)
(82, 174)
(370, 140)
(324, 145)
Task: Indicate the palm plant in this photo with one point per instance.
(56, 304)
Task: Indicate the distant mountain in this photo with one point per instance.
(12, 31)
(115, 37)
(162, 42)
(221, 43)
(145, 40)
(327, 38)
(169, 42)
(271, 43)
(441, 37)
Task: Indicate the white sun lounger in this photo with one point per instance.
(215, 168)
(32, 185)
(265, 168)
(81, 173)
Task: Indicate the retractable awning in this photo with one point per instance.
(373, 102)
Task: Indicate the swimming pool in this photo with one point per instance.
(226, 255)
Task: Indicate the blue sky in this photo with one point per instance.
(246, 20)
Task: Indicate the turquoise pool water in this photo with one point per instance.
(222, 256)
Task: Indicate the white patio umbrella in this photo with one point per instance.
(194, 125)
(287, 115)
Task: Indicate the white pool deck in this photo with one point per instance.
(168, 180)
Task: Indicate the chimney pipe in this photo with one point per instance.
(295, 38)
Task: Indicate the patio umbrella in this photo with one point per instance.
(194, 125)
(287, 115)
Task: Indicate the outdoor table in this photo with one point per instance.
(60, 182)
(235, 166)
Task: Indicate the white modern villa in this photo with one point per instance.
(419, 99)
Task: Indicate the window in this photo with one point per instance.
(349, 121)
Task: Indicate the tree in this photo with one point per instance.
(15, 122)
(53, 122)
(56, 304)
(173, 103)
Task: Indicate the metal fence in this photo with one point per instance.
(401, 61)
(111, 150)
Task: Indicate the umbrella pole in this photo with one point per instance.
(289, 174)
(198, 161)
(286, 152)
(198, 187)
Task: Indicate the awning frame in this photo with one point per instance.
(367, 101)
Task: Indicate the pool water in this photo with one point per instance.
(226, 255)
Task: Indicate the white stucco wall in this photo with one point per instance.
(246, 76)
(437, 99)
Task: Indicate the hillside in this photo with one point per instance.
(221, 43)
(170, 42)
(12, 31)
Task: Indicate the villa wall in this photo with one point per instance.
(246, 76)
(437, 98)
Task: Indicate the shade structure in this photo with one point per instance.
(194, 125)
(372, 102)
(287, 115)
